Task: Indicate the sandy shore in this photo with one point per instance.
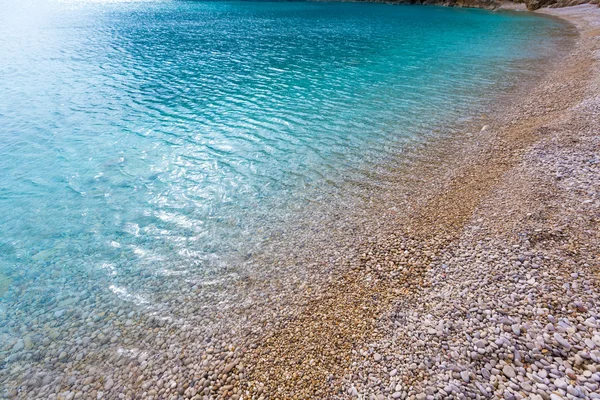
(489, 287)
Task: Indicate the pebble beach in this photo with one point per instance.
(511, 306)
(499, 269)
(486, 285)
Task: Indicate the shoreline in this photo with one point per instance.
(307, 345)
(492, 5)
(304, 357)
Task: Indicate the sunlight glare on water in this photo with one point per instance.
(146, 141)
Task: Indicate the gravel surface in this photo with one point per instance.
(492, 281)
(511, 309)
(477, 278)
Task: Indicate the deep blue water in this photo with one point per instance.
(158, 139)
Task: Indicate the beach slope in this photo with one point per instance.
(491, 287)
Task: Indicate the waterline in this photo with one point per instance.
(153, 152)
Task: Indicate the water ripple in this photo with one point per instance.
(142, 140)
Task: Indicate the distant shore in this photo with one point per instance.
(523, 5)
(489, 286)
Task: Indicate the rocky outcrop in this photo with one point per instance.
(488, 4)
(535, 4)
(493, 4)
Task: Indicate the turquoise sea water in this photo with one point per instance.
(147, 141)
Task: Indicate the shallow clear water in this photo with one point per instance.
(155, 139)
